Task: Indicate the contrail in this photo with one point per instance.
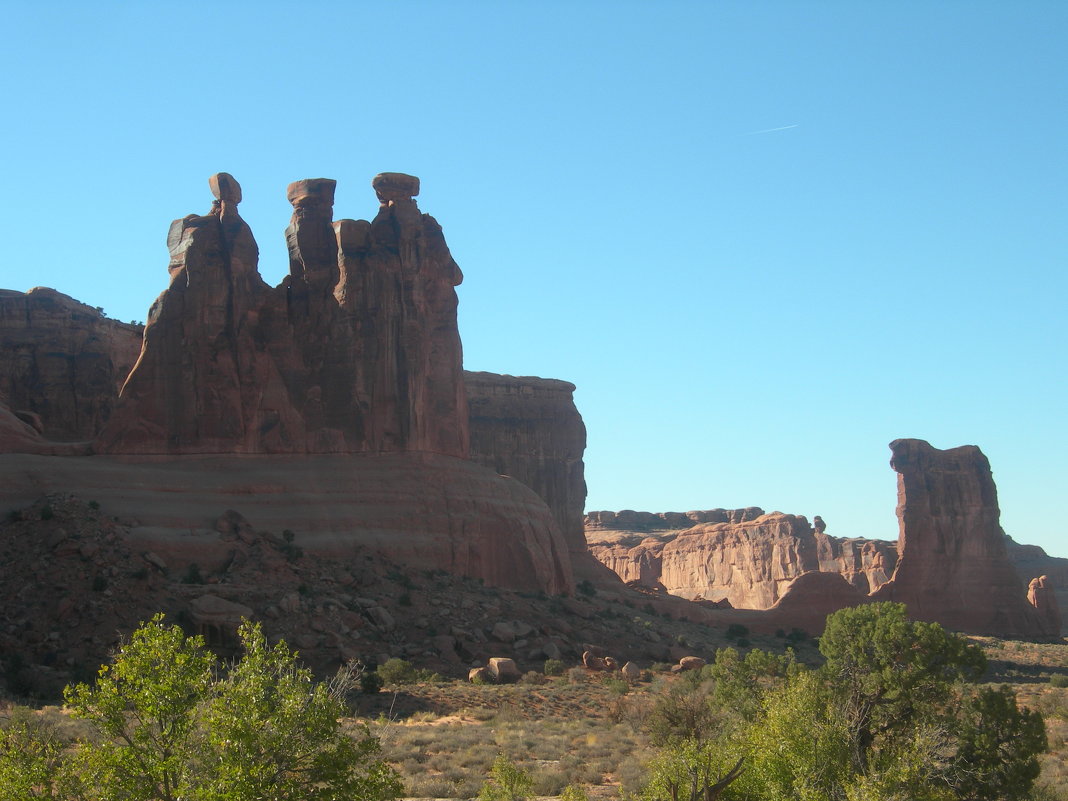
(771, 130)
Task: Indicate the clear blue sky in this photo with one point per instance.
(764, 239)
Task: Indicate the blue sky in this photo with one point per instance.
(763, 239)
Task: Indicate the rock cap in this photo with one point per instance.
(393, 186)
(225, 187)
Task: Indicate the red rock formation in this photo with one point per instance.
(424, 511)
(954, 567)
(1042, 596)
(62, 361)
(529, 429)
(866, 564)
(749, 562)
(356, 351)
(810, 598)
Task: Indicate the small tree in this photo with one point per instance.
(171, 724)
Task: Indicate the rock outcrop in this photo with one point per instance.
(866, 564)
(62, 361)
(749, 562)
(357, 351)
(953, 566)
(529, 429)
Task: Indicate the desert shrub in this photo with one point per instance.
(1058, 680)
(370, 682)
(585, 587)
(737, 630)
(94, 505)
(99, 583)
(46, 512)
(576, 675)
(573, 792)
(507, 782)
(533, 677)
(397, 671)
(405, 599)
(554, 667)
(192, 574)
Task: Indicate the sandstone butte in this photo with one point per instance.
(952, 562)
(315, 391)
(335, 404)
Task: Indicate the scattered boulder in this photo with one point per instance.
(631, 672)
(504, 670)
(691, 663)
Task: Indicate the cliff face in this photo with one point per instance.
(866, 564)
(747, 558)
(529, 429)
(954, 566)
(357, 351)
(62, 362)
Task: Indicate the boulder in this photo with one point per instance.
(691, 663)
(631, 672)
(481, 675)
(503, 670)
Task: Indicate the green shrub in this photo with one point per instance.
(554, 667)
(46, 512)
(1058, 680)
(507, 782)
(192, 574)
(397, 671)
(737, 630)
(370, 682)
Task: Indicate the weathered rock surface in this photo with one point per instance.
(62, 361)
(357, 351)
(1032, 560)
(866, 564)
(1042, 596)
(954, 566)
(425, 511)
(748, 562)
(529, 428)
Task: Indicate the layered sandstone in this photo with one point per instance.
(529, 429)
(953, 566)
(866, 564)
(357, 351)
(62, 362)
(748, 562)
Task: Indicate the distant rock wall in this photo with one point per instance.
(62, 362)
(745, 556)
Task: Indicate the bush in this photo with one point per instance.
(1058, 680)
(192, 574)
(370, 682)
(533, 677)
(554, 667)
(397, 671)
(737, 630)
(585, 587)
(507, 782)
(168, 725)
(46, 512)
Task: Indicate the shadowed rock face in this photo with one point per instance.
(954, 567)
(62, 362)
(529, 429)
(357, 351)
